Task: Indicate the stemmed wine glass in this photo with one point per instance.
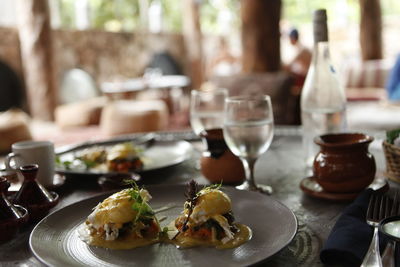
(217, 163)
(248, 131)
(206, 110)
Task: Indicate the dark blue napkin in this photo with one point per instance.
(351, 236)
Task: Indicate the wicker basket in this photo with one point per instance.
(392, 155)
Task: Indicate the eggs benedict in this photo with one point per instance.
(122, 221)
(124, 158)
(207, 220)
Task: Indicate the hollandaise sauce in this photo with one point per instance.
(124, 242)
(243, 235)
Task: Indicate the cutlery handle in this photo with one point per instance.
(389, 254)
(373, 258)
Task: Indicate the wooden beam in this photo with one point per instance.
(193, 41)
(261, 35)
(370, 29)
(36, 50)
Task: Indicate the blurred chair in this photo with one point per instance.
(77, 85)
(132, 116)
(81, 103)
(367, 74)
(277, 85)
(81, 113)
(14, 127)
(366, 80)
(11, 88)
(165, 63)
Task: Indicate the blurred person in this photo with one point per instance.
(299, 64)
(393, 84)
(224, 63)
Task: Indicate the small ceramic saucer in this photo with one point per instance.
(109, 182)
(59, 180)
(37, 211)
(313, 189)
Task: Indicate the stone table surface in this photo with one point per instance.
(282, 167)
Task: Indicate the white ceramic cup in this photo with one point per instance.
(34, 152)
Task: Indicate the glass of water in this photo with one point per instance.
(248, 131)
(206, 110)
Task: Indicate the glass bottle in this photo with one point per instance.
(323, 101)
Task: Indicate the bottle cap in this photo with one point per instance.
(320, 15)
(320, 26)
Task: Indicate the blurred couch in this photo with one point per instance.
(366, 80)
(277, 85)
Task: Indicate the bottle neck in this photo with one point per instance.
(320, 31)
(321, 52)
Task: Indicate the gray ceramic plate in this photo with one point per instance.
(55, 241)
(159, 155)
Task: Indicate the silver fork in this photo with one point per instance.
(378, 209)
(388, 254)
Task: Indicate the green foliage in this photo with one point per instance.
(172, 15)
(67, 13)
(392, 135)
(124, 15)
(301, 11)
(390, 7)
(211, 9)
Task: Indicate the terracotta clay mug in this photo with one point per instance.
(343, 164)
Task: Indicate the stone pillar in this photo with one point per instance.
(193, 41)
(261, 35)
(36, 50)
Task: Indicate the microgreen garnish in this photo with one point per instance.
(211, 187)
(89, 163)
(66, 164)
(191, 199)
(58, 160)
(131, 183)
(164, 232)
(144, 211)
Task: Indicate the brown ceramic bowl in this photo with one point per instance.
(9, 227)
(343, 164)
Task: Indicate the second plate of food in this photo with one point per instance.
(55, 240)
(95, 159)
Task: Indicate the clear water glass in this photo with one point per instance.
(248, 131)
(206, 110)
